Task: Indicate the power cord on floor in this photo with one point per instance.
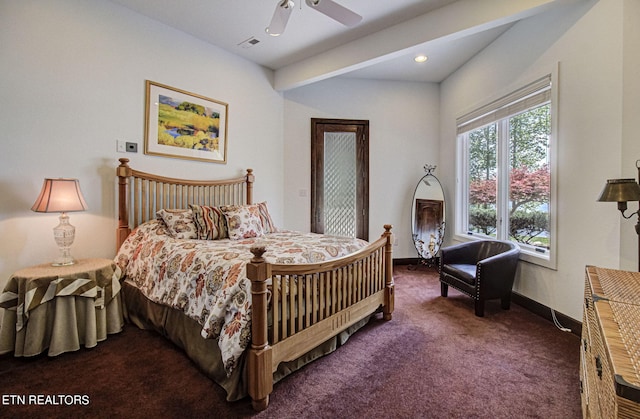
(557, 323)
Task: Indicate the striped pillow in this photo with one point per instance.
(265, 217)
(210, 222)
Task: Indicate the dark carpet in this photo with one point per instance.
(435, 359)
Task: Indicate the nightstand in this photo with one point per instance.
(60, 308)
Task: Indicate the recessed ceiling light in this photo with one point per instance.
(420, 58)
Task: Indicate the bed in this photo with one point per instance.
(255, 303)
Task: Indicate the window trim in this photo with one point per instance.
(528, 253)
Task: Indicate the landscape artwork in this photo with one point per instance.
(185, 125)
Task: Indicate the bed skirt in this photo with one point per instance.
(185, 333)
(61, 325)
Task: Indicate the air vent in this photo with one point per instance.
(248, 43)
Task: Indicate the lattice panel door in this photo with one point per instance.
(340, 181)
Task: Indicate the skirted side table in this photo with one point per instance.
(60, 308)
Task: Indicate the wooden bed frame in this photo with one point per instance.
(311, 302)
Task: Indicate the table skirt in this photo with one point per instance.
(61, 325)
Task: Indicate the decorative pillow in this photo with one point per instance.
(243, 221)
(265, 218)
(179, 222)
(210, 222)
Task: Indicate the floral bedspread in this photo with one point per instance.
(206, 279)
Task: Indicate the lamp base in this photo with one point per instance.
(64, 259)
(64, 234)
(63, 263)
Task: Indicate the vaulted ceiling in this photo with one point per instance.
(314, 47)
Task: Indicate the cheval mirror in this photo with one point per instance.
(428, 217)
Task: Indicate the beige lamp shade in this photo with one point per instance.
(60, 195)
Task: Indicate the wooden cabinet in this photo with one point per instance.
(610, 345)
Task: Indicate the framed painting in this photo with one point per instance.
(184, 125)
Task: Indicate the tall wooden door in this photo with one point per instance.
(340, 177)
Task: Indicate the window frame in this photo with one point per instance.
(528, 253)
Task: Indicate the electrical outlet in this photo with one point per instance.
(121, 146)
(132, 147)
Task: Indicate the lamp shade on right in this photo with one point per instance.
(620, 190)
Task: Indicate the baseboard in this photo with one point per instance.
(545, 312)
(406, 261)
(416, 261)
(525, 302)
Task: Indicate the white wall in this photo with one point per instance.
(73, 81)
(403, 133)
(587, 42)
(631, 109)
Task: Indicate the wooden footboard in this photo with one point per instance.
(311, 303)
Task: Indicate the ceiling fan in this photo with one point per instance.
(327, 7)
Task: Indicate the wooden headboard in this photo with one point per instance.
(141, 195)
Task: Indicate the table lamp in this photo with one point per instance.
(61, 195)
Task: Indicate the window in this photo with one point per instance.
(505, 172)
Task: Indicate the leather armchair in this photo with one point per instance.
(483, 270)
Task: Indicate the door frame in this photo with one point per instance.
(361, 128)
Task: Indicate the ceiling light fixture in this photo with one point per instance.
(335, 11)
(420, 58)
(280, 18)
(327, 7)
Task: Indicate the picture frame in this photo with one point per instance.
(184, 125)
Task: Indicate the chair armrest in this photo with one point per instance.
(497, 273)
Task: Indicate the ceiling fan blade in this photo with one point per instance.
(280, 17)
(335, 11)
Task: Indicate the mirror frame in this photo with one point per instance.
(429, 251)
